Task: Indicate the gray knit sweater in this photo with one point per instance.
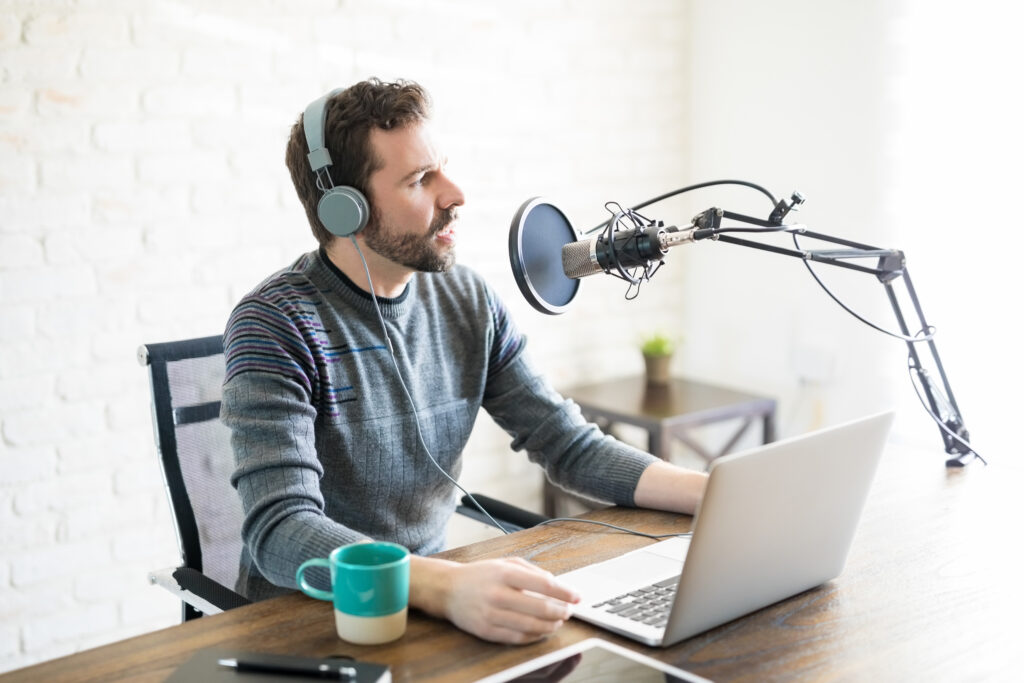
(325, 440)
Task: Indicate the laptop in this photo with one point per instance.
(774, 521)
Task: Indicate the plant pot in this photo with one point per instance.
(658, 369)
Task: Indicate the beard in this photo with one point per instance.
(418, 252)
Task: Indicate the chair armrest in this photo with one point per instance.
(509, 516)
(197, 589)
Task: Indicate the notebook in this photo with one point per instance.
(774, 521)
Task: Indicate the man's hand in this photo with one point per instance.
(505, 601)
(664, 486)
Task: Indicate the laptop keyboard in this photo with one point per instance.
(648, 605)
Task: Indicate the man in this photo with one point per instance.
(331, 448)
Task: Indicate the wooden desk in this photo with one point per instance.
(932, 591)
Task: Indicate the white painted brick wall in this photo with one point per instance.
(142, 192)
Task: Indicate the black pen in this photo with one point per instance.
(338, 672)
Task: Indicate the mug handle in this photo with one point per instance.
(306, 588)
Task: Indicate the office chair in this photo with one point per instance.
(195, 454)
(196, 460)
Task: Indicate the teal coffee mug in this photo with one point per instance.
(369, 589)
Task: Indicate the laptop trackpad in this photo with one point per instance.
(616, 576)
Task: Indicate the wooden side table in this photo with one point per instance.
(667, 412)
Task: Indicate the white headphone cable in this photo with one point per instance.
(408, 395)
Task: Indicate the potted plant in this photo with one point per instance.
(658, 349)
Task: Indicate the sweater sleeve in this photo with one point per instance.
(267, 404)
(575, 454)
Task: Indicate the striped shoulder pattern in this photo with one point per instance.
(271, 329)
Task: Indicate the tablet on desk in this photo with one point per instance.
(594, 660)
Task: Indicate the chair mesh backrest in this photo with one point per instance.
(207, 461)
(201, 447)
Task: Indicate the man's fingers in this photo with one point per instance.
(509, 600)
(534, 605)
(527, 577)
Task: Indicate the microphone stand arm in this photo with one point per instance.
(889, 268)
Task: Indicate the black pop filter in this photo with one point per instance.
(535, 240)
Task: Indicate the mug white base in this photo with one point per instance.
(370, 630)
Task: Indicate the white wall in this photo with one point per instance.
(957, 150)
(792, 96)
(142, 192)
(900, 124)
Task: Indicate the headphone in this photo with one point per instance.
(343, 210)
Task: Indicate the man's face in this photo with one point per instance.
(412, 216)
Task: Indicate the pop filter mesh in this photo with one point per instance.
(539, 231)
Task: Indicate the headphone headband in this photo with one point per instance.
(342, 210)
(316, 113)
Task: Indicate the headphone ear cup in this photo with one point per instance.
(343, 210)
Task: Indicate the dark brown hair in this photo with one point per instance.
(351, 115)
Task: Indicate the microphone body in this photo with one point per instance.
(632, 248)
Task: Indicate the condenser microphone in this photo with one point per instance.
(625, 249)
(548, 256)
